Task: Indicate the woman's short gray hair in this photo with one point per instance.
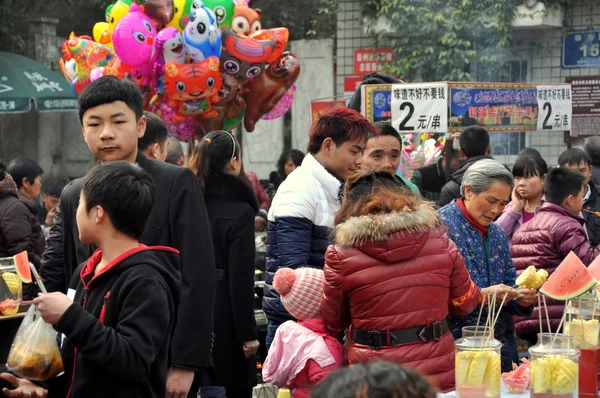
(483, 173)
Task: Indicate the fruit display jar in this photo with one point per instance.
(583, 322)
(11, 288)
(477, 364)
(554, 367)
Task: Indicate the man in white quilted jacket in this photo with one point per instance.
(303, 210)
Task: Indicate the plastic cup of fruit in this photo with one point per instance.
(554, 367)
(585, 323)
(477, 364)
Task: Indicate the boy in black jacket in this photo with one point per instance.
(124, 296)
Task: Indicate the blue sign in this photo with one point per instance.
(581, 49)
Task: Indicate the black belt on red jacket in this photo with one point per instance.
(423, 334)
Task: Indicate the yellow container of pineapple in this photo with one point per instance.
(554, 367)
(477, 364)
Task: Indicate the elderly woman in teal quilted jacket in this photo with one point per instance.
(469, 220)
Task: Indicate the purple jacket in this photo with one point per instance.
(510, 220)
(544, 242)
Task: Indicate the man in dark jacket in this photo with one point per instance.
(580, 161)
(111, 115)
(475, 145)
(592, 147)
(117, 323)
(28, 177)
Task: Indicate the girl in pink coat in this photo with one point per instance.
(303, 352)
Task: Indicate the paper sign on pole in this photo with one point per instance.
(555, 107)
(420, 107)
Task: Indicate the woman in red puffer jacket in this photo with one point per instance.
(393, 276)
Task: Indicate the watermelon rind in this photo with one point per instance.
(22, 266)
(570, 279)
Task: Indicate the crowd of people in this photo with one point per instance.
(149, 260)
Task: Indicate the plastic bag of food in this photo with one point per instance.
(34, 353)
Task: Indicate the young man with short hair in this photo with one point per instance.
(28, 177)
(592, 148)
(475, 145)
(302, 213)
(112, 122)
(51, 191)
(579, 160)
(155, 141)
(118, 321)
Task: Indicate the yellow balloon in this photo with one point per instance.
(178, 6)
(102, 34)
(118, 11)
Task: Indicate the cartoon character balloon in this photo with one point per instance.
(159, 11)
(223, 10)
(134, 37)
(182, 127)
(244, 57)
(202, 36)
(279, 36)
(282, 107)
(246, 20)
(101, 34)
(178, 8)
(117, 11)
(230, 108)
(169, 47)
(194, 83)
(267, 90)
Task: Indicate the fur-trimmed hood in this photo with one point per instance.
(381, 234)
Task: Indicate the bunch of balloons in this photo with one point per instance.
(199, 64)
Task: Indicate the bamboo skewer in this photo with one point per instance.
(547, 317)
(479, 317)
(540, 316)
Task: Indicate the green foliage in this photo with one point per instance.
(443, 39)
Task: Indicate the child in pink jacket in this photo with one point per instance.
(303, 353)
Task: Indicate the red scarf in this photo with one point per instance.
(461, 205)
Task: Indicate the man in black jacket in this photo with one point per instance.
(111, 115)
(592, 148)
(474, 145)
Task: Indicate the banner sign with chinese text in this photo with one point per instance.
(554, 102)
(581, 49)
(368, 60)
(420, 107)
(499, 107)
(585, 96)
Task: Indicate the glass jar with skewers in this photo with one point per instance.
(477, 356)
(554, 367)
(11, 288)
(582, 321)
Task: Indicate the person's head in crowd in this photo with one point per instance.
(337, 140)
(529, 152)
(474, 141)
(27, 175)
(565, 187)
(51, 190)
(486, 188)
(577, 159)
(155, 141)
(112, 118)
(175, 153)
(529, 173)
(116, 197)
(383, 150)
(289, 161)
(592, 147)
(451, 157)
(374, 192)
(218, 153)
(374, 379)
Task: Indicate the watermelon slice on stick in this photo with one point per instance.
(570, 279)
(22, 265)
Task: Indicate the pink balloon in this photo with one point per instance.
(134, 37)
(284, 105)
(182, 127)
